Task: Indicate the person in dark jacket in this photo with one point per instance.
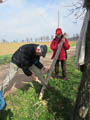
(26, 56)
(62, 54)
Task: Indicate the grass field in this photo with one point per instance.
(5, 59)
(10, 48)
(58, 101)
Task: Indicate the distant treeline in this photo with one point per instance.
(73, 38)
(40, 39)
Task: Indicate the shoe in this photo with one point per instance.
(49, 87)
(56, 76)
(64, 78)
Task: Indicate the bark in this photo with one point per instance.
(87, 3)
(82, 105)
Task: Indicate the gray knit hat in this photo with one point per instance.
(43, 50)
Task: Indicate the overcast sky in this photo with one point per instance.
(20, 19)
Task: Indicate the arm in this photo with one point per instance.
(66, 44)
(37, 62)
(40, 66)
(54, 45)
(27, 71)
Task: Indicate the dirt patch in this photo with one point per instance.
(20, 79)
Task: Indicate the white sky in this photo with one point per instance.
(21, 19)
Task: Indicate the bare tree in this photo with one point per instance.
(3, 40)
(82, 105)
(77, 10)
(23, 41)
(27, 39)
(41, 38)
(47, 38)
(31, 39)
(36, 40)
(52, 37)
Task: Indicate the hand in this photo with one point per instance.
(45, 70)
(35, 78)
(63, 39)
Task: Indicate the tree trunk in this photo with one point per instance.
(82, 105)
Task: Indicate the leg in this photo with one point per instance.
(57, 67)
(63, 66)
(12, 71)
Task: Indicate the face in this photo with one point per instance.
(58, 36)
(38, 52)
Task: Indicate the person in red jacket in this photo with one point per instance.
(62, 54)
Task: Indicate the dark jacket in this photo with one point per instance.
(25, 57)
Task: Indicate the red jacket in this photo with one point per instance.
(54, 47)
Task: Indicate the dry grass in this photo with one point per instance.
(10, 48)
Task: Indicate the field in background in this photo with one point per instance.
(10, 48)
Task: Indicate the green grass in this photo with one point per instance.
(49, 50)
(72, 44)
(25, 105)
(5, 59)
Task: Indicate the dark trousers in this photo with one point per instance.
(63, 67)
